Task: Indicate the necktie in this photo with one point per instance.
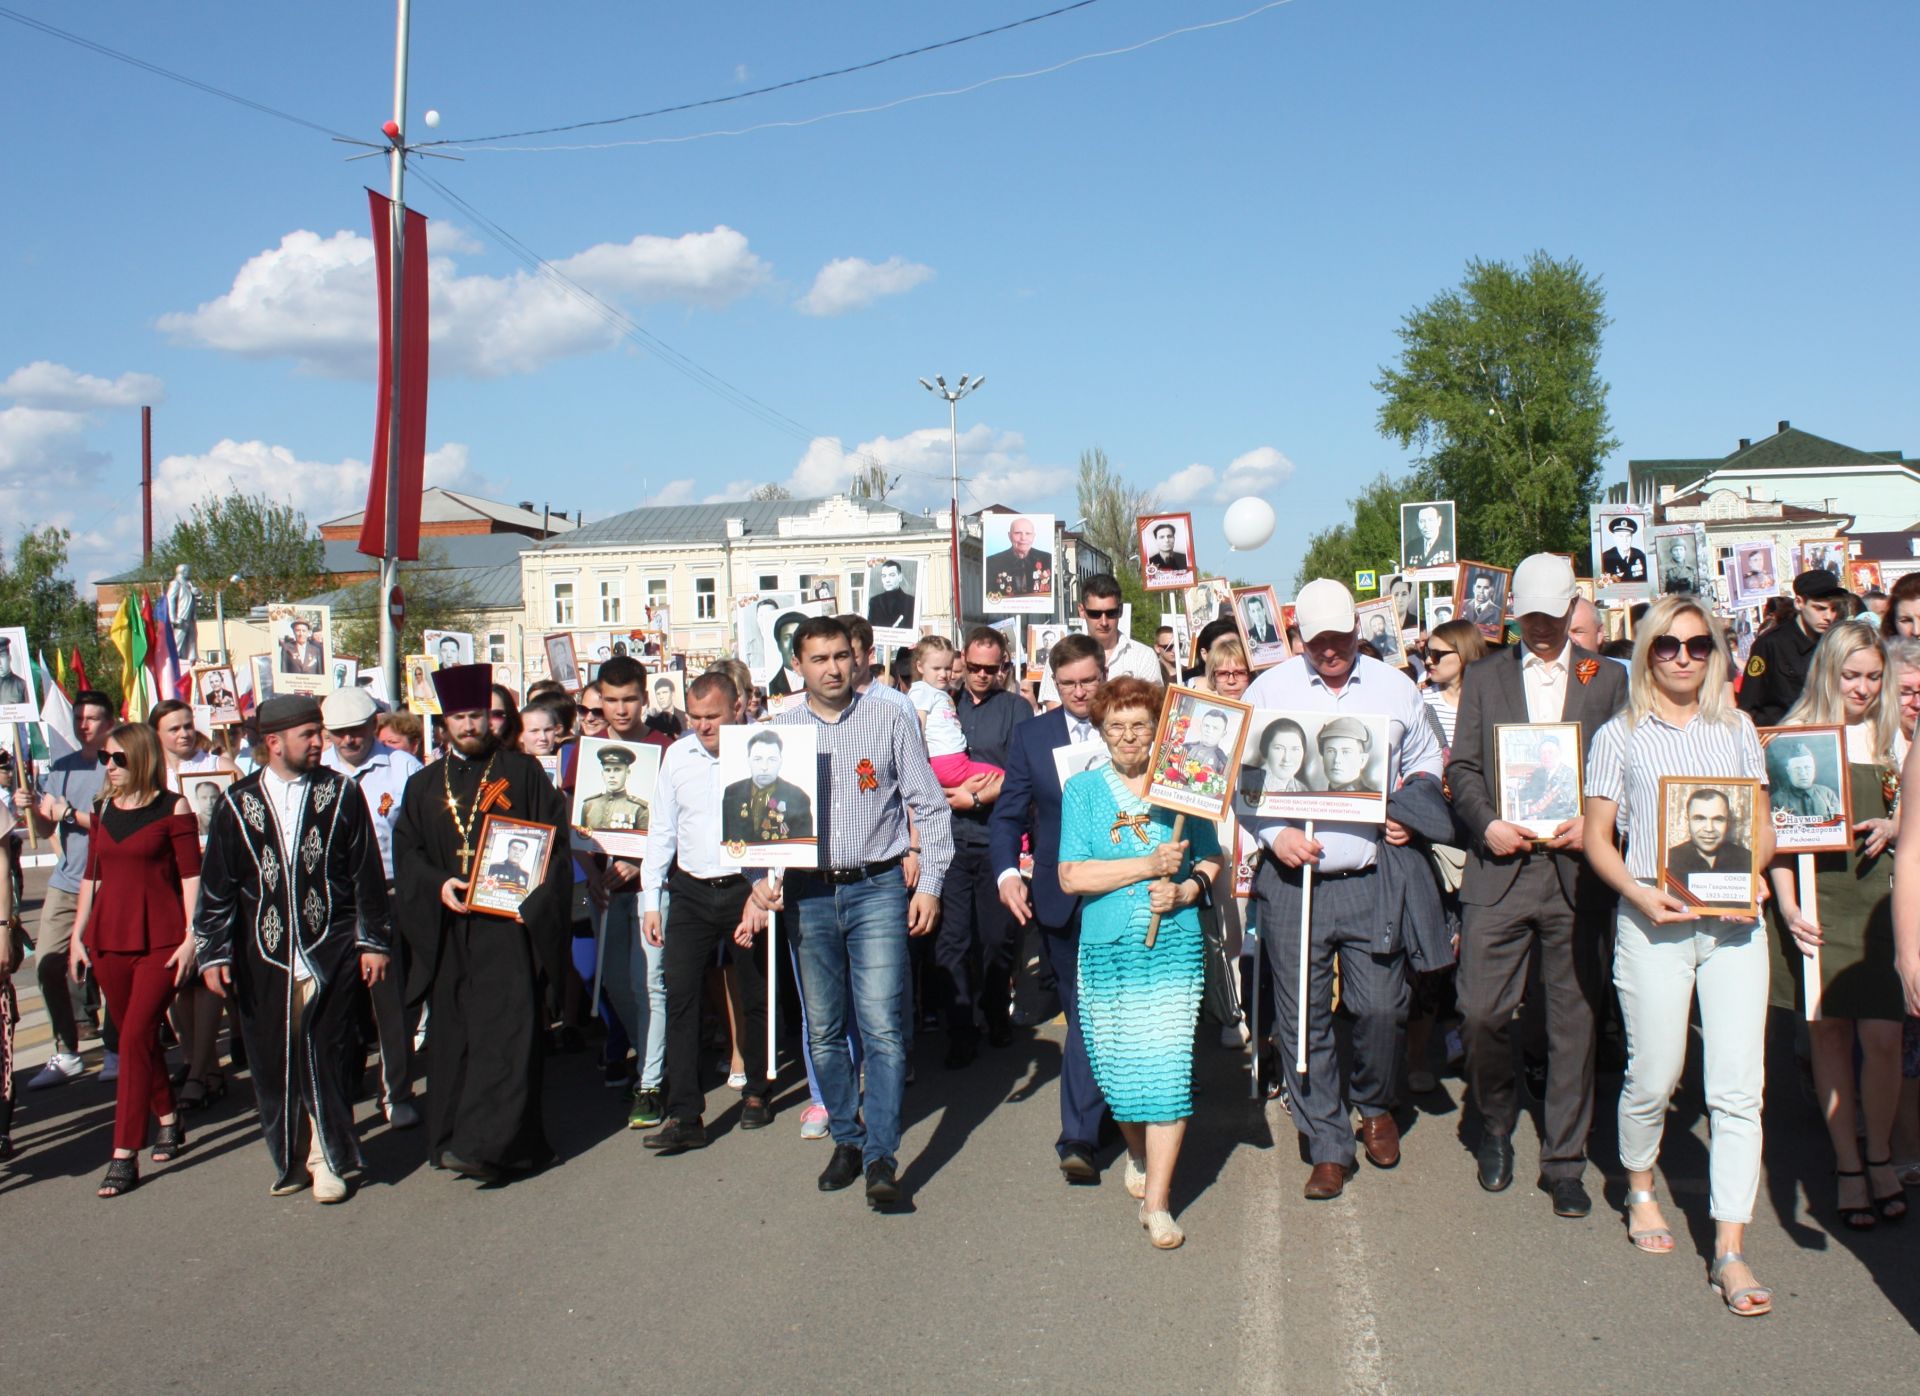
(1083, 731)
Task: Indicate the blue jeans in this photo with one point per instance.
(634, 981)
(851, 945)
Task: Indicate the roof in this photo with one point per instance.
(440, 505)
(1787, 449)
(492, 588)
(706, 523)
(1789, 513)
(1885, 547)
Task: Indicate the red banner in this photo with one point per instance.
(413, 383)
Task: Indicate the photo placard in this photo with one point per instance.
(613, 794)
(1018, 568)
(563, 664)
(512, 862)
(1379, 623)
(1165, 545)
(1480, 594)
(1427, 535)
(1315, 765)
(446, 648)
(421, 697)
(1537, 772)
(1809, 789)
(1709, 827)
(1196, 750)
(769, 792)
(893, 599)
(1621, 564)
(302, 649)
(202, 791)
(17, 696)
(1262, 627)
(214, 689)
(1753, 572)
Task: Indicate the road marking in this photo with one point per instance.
(1262, 1273)
(1361, 1360)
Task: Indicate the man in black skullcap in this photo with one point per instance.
(487, 975)
(1777, 664)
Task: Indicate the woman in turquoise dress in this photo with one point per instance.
(1138, 1006)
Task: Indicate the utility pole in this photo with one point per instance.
(953, 396)
(396, 298)
(146, 486)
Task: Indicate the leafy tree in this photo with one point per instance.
(267, 544)
(1371, 539)
(1498, 384)
(1110, 506)
(56, 617)
(771, 491)
(439, 597)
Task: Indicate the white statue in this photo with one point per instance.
(183, 604)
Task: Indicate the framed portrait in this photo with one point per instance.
(666, 692)
(512, 860)
(821, 589)
(769, 795)
(1379, 623)
(893, 599)
(1042, 636)
(1404, 591)
(447, 648)
(16, 677)
(1588, 588)
(1301, 765)
(1196, 749)
(1206, 601)
(1537, 772)
(346, 672)
(1480, 595)
(593, 646)
(302, 649)
(563, 664)
(1863, 576)
(1828, 554)
(1073, 758)
(1809, 793)
(753, 620)
(1017, 572)
(613, 794)
(1743, 624)
(1622, 566)
(1708, 828)
(1681, 560)
(1753, 573)
(1261, 626)
(215, 690)
(1436, 612)
(421, 697)
(262, 666)
(1167, 562)
(1427, 535)
(202, 791)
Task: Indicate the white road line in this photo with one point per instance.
(1361, 1361)
(1262, 1275)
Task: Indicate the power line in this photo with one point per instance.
(780, 86)
(55, 32)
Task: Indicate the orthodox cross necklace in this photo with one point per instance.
(465, 826)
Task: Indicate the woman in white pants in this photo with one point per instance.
(1680, 721)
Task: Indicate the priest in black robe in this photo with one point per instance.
(485, 977)
(293, 909)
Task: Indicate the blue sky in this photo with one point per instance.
(1195, 255)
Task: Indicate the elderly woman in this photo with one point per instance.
(1138, 1006)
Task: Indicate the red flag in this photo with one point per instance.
(156, 658)
(413, 384)
(80, 671)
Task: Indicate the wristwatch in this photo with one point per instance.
(976, 798)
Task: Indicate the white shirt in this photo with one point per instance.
(382, 779)
(289, 798)
(941, 726)
(1135, 661)
(1545, 681)
(686, 819)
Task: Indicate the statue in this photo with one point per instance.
(183, 604)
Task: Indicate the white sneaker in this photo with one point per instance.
(110, 1067)
(737, 1081)
(328, 1186)
(61, 1068)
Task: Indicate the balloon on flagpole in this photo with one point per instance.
(1248, 523)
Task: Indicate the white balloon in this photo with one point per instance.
(433, 118)
(1248, 524)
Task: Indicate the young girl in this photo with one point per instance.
(939, 722)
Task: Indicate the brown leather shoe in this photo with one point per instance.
(1327, 1181)
(1380, 1137)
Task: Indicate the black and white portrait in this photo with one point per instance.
(1808, 789)
(1622, 534)
(1426, 535)
(215, 690)
(202, 790)
(1315, 765)
(563, 665)
(1706, 846)
(1404, 592)
(16, 677)
(262, 667)
(1480, 595)
(1679, 551)
(1436, 612)
(1166, 550)
(447, 647)
(1018, 568)
(1261, 625)
(893, 599)
(1379, 623)
(769, 792)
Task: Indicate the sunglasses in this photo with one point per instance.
(1666, 649)
(497, 714)
(1166, 645)
(973, 668)
(1432, 654)
(114, 758)
(1100, 615)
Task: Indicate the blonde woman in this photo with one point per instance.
(1852, 933)
(1679, 720)
(1228, 670)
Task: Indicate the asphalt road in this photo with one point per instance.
(726, 1270)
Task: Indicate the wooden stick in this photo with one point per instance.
(1810, 964)
(600, 959)
(773, 979)
(1306, 923)
(1253, 1017)
(1153, 926)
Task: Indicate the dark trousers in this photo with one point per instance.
(138, 987)
(1494, 949)
(700, 919)
(974, 946)
(1081, 1104)
(1373, 990)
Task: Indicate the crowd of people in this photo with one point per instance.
(326, 902)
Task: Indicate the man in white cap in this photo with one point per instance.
(1520, 893)
(354, 749)
(1350, 920)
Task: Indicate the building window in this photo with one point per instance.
(656, 597)
(611, 595)
(562, 603)
(705, 598)
(857, 591)
(496, 647)
(769, 581)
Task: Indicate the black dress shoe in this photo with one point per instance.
(1495, 1158)
(1569, 1197)
(479, 1172)
(755, 1113)
(1077, 1166)
(677, 1135)
(883, 1189)
(841, 1169)
(961, 1052)
(1000, 1034)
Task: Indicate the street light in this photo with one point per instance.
(953, 396)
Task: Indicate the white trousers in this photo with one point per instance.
(1659, 970)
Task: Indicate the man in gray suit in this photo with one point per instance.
(1519, 893)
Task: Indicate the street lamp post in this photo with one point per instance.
(953, 396)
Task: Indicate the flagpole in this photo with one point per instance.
(396, 299)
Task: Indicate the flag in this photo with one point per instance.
(60, 668)
(165, 660)
(152, 687)
(80, 671)
(413, 382)
(56, 722)
(120, 633)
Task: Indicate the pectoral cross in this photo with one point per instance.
(466, 859)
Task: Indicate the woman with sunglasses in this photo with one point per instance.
(136, 901)
(1680, 720)
(1450, 649)
(1849, 932)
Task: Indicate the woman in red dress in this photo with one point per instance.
(136, 902)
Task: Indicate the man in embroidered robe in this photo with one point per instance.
(293, 906)
(486, 974)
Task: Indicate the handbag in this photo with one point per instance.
(1220, 986)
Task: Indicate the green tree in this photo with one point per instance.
(1498, 384)
(57, 619)
(439, 597)
(268, 545)
(1370, 540)
(1110, 506)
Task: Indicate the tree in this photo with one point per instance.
(1110, 506)
(871, 482)
(1371, 540)
(439, 597)
(57, 619)
(1498, 383)
(770, 491)
(268, 545)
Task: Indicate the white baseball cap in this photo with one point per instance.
(1543, 586)
(1323, 607)
(346, 708)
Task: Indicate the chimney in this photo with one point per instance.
(736, 528)
(1784, 424)
(527, 504)
(1745, 442)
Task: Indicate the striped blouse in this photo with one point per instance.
(1625, 764)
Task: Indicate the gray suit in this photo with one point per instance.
(1535, 896)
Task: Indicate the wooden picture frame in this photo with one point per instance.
(1535, 794)
(1386, 637)
(1466, 606)
(1722, 889)
(496, 888)
(1261, 653)
(1172, 578)
(1809, 795)
(1187, 775)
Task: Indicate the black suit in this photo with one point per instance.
(1012, 575)
(738, 826)
(1171, 562)
(1629, 565)
(1686, 860)
(892, 609)
(1535, 896)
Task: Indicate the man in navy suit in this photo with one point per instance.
(1029, 803)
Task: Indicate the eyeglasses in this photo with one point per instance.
(1092, 614)
(117, 758)
(973, 668)
(1076, 684)
(1666, 649)
(1233, 673)
(1128, 729)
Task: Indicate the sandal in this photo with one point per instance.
(1855, 1218)
(1892, 1206)
(170, 1142)
(1736, 1300)
(1642, 1240)
(123, 1176)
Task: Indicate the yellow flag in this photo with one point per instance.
(120, 636)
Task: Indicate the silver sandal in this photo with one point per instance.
(1640, 1197)
(1733, 1299)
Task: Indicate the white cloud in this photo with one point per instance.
(739, 72)
(854, 283)
(311, 299)
(40, 446)
(1184, 486)
(994, 467)
(51, 385)
(321, 490)
(1255, 472)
